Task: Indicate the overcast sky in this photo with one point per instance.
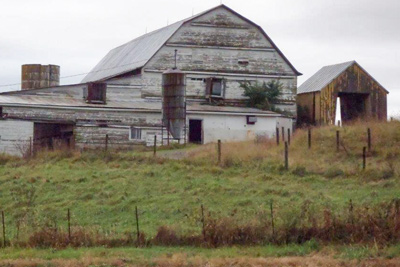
(76, 34)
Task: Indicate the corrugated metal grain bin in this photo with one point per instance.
(173, 107)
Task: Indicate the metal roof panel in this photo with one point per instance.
(323, 77)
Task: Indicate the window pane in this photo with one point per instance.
(136, 133)
(217, 88)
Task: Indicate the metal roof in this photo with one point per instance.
(131, 55)
(136, 53)
(323, 77)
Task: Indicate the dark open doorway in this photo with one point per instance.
(195, 131)
(53, 136)
(353, 106)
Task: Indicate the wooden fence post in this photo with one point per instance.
(369, 140)
(286, 156)
(168, 133)
(277, 136)
(4, 228)
(137, 227)
(219, 151)
(309, 138)
(162, 135)
(30, 147)
(288, 136)
(351, 207)
(155, 146)
(364, 158)
(203, 223)
(272, 219)
(106, 143)
(283, 134)
(69, 224)
(337, 140)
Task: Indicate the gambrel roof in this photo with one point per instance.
(136, 53)
(325, 76)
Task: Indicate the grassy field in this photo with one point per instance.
(102, 189)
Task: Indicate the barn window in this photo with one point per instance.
(135, 133)
(96, 93)
(215, 87)
(251, 120)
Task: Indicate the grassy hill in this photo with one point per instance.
(102, 189)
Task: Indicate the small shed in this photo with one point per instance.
(361, 96)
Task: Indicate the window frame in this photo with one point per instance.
(210, 86)
(138, 133)
(251, 119)
(96, 93)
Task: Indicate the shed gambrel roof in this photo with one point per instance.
(136, 53)
(325, 76)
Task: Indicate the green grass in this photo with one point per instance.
(102, 190)
(153, 252)
(146, 254)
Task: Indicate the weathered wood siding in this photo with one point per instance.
(91, 126)
(211, 46)
(94, 116)
(91, 136)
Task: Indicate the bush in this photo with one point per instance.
(262, 95)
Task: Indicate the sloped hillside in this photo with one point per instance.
(102, 189)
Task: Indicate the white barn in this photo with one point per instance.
(120, 99)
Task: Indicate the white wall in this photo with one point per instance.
(235, 128)
(14, 136)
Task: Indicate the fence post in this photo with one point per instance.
(351, 207)
(286, 156)
(69, 224)
(369, 140)
(203, 223)
(337, 140)
(137, 226)
(155, 146)
(4, 228)
(30, 147)
(364, 158)
(168, 133)
(309, 138)
(219, 151)
(277, 136)
(272, 219)
(106, 144)
(162, 135)
(283, 134)
(288, 136)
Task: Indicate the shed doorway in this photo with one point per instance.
(195, 131)
(353, 106)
